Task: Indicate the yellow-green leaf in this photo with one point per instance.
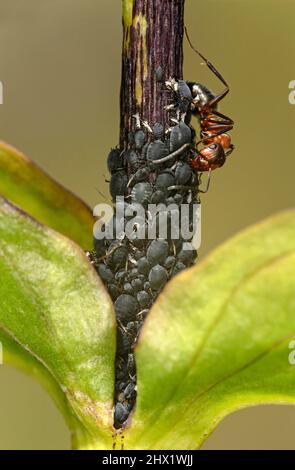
(218, 340)
(57, 322)
(25, 184)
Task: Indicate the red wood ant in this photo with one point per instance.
(214, 125)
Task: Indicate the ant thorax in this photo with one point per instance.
(201, 95)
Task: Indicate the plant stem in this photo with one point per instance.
(152, 38)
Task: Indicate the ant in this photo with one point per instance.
(214, 125)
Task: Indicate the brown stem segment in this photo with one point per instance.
(153, 36)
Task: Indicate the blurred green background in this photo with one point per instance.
(60, 66)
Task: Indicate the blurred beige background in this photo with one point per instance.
(60, 66)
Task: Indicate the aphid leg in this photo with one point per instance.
(170, 107)
(137, 120)
(147, 126)
(90, 257)
(130, 180)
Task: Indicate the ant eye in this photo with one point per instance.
(213, 146)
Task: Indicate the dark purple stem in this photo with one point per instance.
(153, 36)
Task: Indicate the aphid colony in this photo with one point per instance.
(159, 165)
(135, 271)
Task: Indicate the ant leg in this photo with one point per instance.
(208, 183)
(218, 98)
(218, 118)
(223, 116)
(226, 129)
(172, 155)
(219, 127)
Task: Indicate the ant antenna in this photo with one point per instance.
(208, 63)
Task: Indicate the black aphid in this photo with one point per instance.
(180, 135)
(157, 252)
(126, 307)
(115, 160)
(158, 277)
(139, 139)
(157, 150)
(118, 184)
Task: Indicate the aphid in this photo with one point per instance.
(114, 291)
(141, 193)
(187, 256)
(158, 277)
(128, 289)
(130, 392)
(143, 265)
(183, 173)
(143, 298)
(178, 267)
(157, 252)
(132, 159)
(164, 180)
(120, 275)
(158, 131)
(137, 284)
(105, 273)
(121, 414)
(169, 262)
(182, 95)
(118, 184)
(114, 161)
(119, 257)
(158, 196)
(157, 150)
(126, 307)
(180, 135)
(139, 139)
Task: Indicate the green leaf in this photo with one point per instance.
(25, 184)
(57, 322)
(218, 340)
